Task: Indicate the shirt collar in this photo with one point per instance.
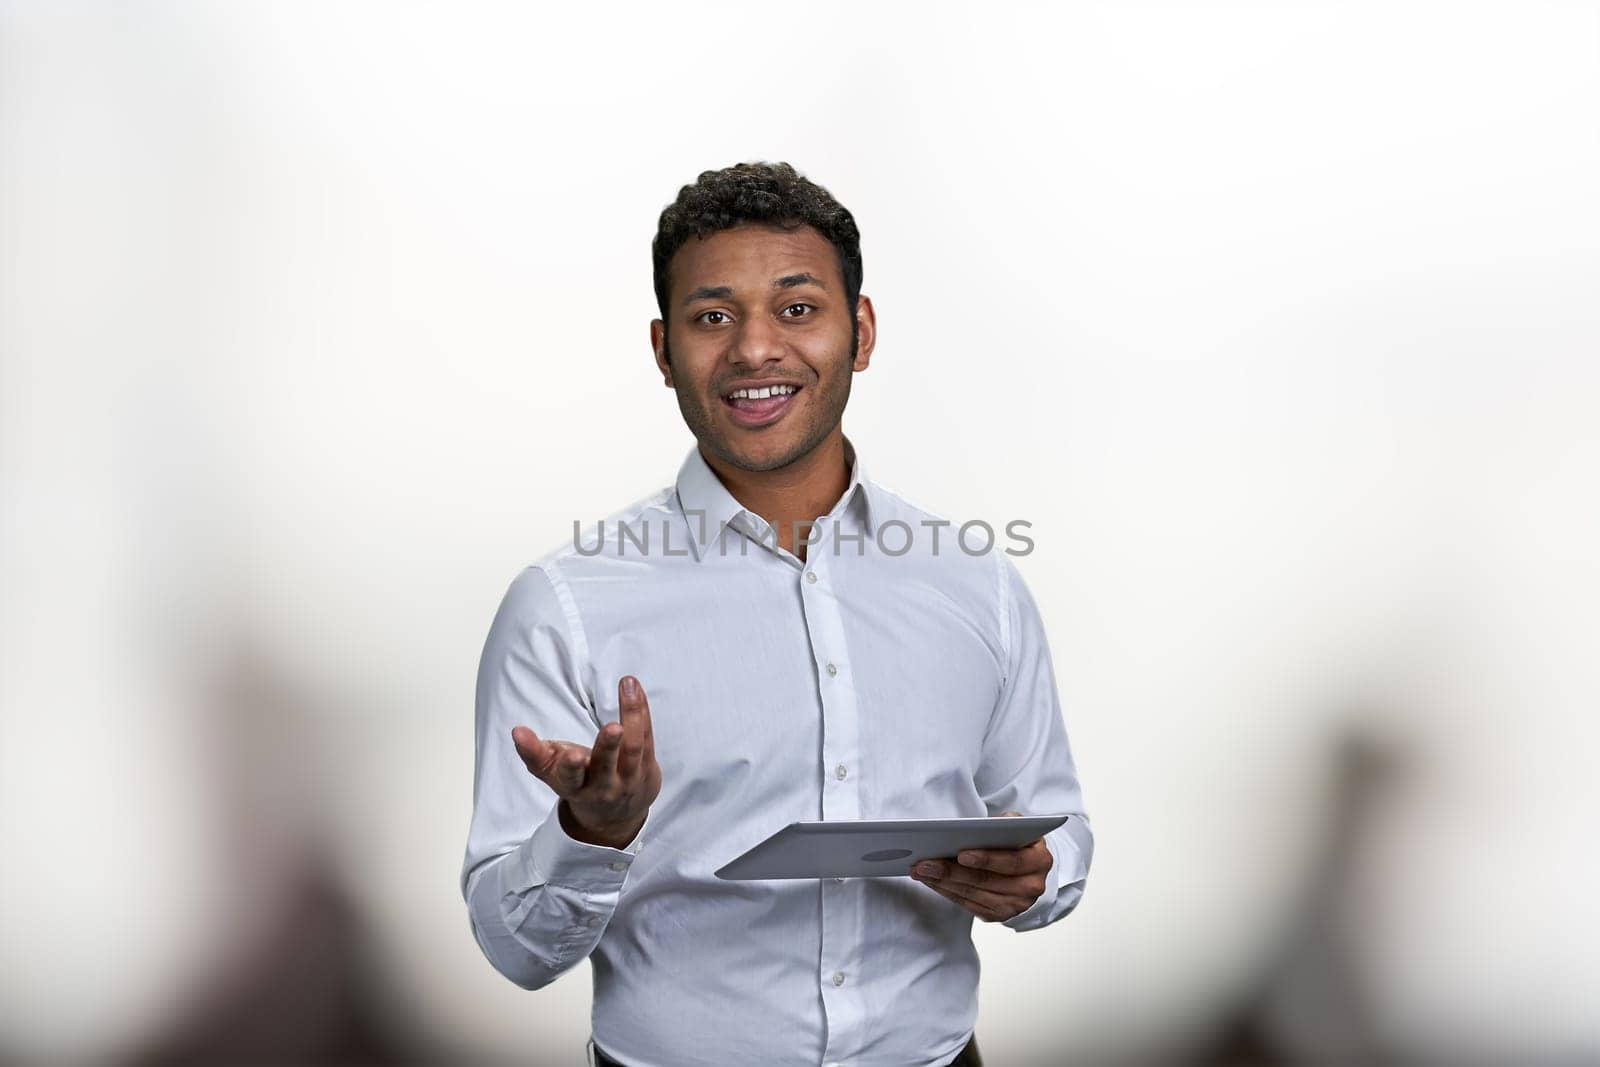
(708, 506)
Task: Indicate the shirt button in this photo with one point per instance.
(811, 576)
(594, 920)
(832, 670)
(839, 772)
(619, 866)
(838, 978)
(838, 879)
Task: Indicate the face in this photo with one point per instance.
(760, 306)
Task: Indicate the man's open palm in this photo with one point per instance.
(606, 788)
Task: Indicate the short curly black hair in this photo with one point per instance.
(770, 193)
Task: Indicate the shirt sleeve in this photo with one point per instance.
(537, 899)
(1027, 764)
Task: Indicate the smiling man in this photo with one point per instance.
(650, 707)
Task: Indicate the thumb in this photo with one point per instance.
(561, 765)
(537, 756)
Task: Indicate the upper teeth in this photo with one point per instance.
(761, 394)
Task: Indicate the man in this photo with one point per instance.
(757, 644)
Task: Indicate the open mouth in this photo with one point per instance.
(760, 406)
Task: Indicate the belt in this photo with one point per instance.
(968, 1057)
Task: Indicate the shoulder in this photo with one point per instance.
(967, 557)
(599, 544)
(960, 543)
(543, 586)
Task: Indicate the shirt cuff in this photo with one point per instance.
(550, 857)
(1071, 845)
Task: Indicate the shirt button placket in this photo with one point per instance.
(840, 920)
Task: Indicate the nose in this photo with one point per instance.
(759, 341)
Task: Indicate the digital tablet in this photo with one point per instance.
(879, 848)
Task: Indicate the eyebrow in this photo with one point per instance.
(708, 292)
(723, 292)
(789, 281)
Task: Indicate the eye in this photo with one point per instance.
(805, 309)
(705, 316)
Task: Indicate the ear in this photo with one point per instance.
(658, 343)
(866, 332)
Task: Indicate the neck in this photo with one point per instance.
(802, 491)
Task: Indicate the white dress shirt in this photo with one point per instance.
(857, 684)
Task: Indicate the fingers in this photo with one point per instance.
(985, 876)
(955, 875)
(570, 766)
(1031, 858)
(603, 761)
(649, 733)
(990, 907)
(637, 738)
(620, 764)
(999, 862)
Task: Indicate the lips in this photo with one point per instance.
(753, 413)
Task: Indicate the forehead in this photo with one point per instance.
(752, 255)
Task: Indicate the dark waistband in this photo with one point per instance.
(967, 1057)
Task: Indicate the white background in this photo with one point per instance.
(1278, 322)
